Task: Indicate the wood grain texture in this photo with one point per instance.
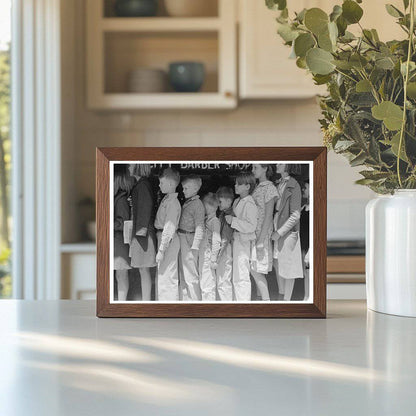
(214, 310)
(346, 264)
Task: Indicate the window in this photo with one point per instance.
(5, 149)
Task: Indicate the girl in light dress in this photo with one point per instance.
(264, 195)
(122, 186)
(143, 243)
(287, 250)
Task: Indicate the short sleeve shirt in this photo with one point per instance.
(265, 191)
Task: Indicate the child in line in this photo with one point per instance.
(166, 224)
(191, 233)
(287, 252)
(210, 248)
(143, 243)
(265, 196)
(244, 222)
(224, 270)
(304, 235)
(122, 186)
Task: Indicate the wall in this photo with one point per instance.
(256, 123)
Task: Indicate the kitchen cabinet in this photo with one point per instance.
(78, 271)
(118, 45)
(265, 70)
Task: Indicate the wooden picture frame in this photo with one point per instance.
(316, 156)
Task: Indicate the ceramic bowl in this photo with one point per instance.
(135, 8)
(147, 80)
(186, 76)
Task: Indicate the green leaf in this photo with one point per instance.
(319, 61)
(406, 4)
(361, 99)
(393, 11)
(358, 61)
(382, 88)
(375, 35)
(385, 63)
(324, 42)
(396, 71)
(303, 43)
(336, 12)
(286, 32)
(321, 79)
(300, 17)
(374, 175)
(316, 20)
(390, 113)
(342, 25)
(276, 4)
(301, 63)
(368, 36)
(353, 130)
(377, 74)
(364, 181)
(374, 150)
(358, 160)
(412, 67)
(363, 86)
(347, 37)
(333, 32)
(394, 145)
(343, 145)
(343, 65)
(411, 90)
(351, 11)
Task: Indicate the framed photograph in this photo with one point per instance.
(211, 232)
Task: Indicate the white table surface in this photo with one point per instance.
(57, 358)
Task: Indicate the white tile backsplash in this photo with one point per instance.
(286, 123)
(346, 219)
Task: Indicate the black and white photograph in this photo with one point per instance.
(211, 232)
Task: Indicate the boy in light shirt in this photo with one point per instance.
(191, 233)
(166, 224)
(210, 248)
(244, 223)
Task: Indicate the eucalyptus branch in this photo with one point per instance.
(392, 90)
(406, 79)
(345, 75)
(365, 61)
(373, 89)
(397, 95)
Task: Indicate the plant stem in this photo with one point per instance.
(345, 75)
(373, 90)
(406, 79)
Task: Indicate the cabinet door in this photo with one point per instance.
(265, 68)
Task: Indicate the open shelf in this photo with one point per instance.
(127, 51)
(116, 46)
(130, 101)
(160, 24)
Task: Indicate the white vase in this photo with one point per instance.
(391, 253)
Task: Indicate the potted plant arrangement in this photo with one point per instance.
(369, 116)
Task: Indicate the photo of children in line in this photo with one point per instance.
(211, 232)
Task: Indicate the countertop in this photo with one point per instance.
(57, 358)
